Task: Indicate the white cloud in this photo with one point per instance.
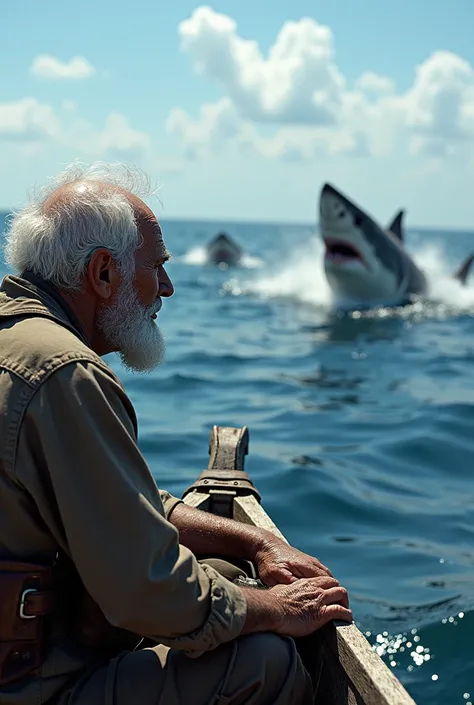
(27, 120)
(46, 66)
(217, 123)
(35, 129)
(120, 139)
(440, 105)
(69, 106)
(117, 139)
(371, 82)
(298, 82)
(301, 91)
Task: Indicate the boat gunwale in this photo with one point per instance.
(225, 487)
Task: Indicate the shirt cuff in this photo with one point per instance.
(225, 621)
(169, 502)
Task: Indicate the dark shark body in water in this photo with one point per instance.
(223, 250)
(365, 264)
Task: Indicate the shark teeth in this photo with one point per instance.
(341, 251)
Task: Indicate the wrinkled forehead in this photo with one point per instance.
(153, 246)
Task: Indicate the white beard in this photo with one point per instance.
(129, 328)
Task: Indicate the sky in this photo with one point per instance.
(242, 110)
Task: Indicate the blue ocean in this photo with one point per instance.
(361, 427)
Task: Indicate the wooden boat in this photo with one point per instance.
(342, 664)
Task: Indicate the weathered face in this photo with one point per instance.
(361, 261)
(151, 279)
(129, 321)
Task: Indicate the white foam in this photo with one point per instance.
(249, 262)
(198, 256)
(301, 276)
(436, 264)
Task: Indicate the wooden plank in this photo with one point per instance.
(339, 658)
(228, 447)
(197, 500)
(372, 678)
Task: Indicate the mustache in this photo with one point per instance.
(156, 306)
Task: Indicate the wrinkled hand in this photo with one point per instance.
(277, 563)
(307, 605)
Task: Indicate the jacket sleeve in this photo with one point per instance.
(169, 502)
(77, 456)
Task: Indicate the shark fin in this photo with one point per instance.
(395, 226)
(461, 273)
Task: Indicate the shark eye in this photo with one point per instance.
(357, 221)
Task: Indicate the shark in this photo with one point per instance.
(223, 250)
(365, 263)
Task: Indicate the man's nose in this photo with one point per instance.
(166, 287)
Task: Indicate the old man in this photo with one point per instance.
(94, 557)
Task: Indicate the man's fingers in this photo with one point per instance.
(324, 581)
(310, 570)
(282, 576)
(321, 566)
(337, 612)
(285, 576)
(336, 595)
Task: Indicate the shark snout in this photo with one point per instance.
(331, 206)
(344, 243)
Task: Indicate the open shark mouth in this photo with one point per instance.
(340, 251)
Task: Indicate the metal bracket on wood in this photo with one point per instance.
(225, 477)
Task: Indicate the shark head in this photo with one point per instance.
(363, 262)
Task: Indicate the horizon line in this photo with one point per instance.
(298, 223)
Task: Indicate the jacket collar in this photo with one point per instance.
(30, 295)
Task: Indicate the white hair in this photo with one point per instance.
(56, 244)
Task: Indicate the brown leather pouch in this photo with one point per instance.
(82, 619)
(93, 630)
(26, 597)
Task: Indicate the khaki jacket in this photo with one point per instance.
(73, 479)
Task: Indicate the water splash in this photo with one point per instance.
(198, 256)
(434, 260)
(302, 278)
(250, 262)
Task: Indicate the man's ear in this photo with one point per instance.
(102, 273)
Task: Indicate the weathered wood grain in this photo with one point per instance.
(339, 657)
